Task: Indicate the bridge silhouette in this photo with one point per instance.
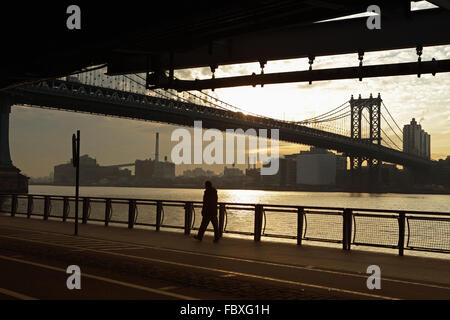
(127, 97)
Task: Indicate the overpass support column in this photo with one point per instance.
(11, 181)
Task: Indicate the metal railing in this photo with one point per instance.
(395, 229)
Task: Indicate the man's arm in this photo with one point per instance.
(204, 204)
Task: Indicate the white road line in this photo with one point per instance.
(185, 265)
(101, 246)
(308, 268)
(80, 248)
(16, 294)
(122, 283)
(168, 288)
(125, 248)
(228, 275)
(275, 264)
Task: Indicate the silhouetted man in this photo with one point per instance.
(209, 212)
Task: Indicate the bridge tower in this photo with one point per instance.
(357, 106)
(10, 178)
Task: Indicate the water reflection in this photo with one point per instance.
(326, 199)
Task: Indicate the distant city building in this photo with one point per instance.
(341, 163)
(287, 171)
(198, 172)
(444, 163)
(232, 172)
(149, 172)
(253, 174)
(91, 173)
(316, 167)
(416, 140)
(313, 167)
(441, 172)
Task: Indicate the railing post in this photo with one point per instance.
(65, 208)
(221, 218)
(344, 229)
(187, 218)
(107, 211)
(131, 213)
(347, 229)
(46, 207)
(158, 214)
(13, 205)
(29, 206)
(300, 214)
(258, 222)
(401, 233)
(85, 210)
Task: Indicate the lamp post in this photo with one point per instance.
(76, 164)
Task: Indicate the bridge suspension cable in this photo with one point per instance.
(385, 136)
(224, 105)
(326, 115)
(392, 117)
(387, 122)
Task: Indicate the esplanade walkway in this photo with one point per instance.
(233, 268)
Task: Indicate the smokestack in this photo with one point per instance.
(157, 148)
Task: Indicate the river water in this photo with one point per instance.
(279, 223)
(418, 202)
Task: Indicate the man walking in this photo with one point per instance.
(209, 212)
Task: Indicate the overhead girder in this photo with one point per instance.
(398, 69)
(398, 31)
(441, 3)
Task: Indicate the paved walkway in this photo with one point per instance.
(314, 265)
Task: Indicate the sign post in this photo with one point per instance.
(76, 164)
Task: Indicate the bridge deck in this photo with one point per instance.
(308, 267)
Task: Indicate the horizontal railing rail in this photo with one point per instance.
(392, 229)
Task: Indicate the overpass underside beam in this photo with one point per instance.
(398, 69)
(400, 29)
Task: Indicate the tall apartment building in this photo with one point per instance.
(416, 140)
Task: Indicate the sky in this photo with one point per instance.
(41, 138)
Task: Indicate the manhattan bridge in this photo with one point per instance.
(361, 128)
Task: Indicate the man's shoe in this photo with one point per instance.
(216, 240)
(198, 238)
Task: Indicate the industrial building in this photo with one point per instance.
(147, 172)
(415, 140)
(91, 173)
(198, 172)
(151, 172)
(232, 172)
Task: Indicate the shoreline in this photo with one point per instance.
(293, 189)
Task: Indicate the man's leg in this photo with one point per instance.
(202, 229)
(215, 224)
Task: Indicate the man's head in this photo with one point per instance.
(208, 184)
